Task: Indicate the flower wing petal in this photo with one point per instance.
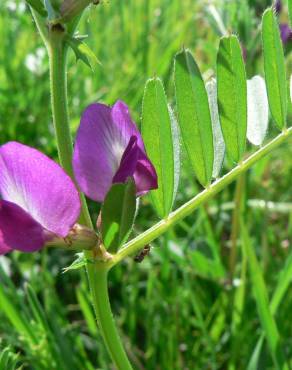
(18, 230)
(145, 175)
(135, 163)
(128, 162)
(39, 186)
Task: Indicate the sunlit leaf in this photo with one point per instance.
(157, 135)
(232, 96)
(194, 116)
(218, 140)
(257, 110)
(275, 73)
(176, 149)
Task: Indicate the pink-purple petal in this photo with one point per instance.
(96, 152)
(108, 149)
(128, 162)
(145, 175)
(286, 33)
(122, 119)
(39, 186)
(18, 230)
(4, 248)
(136, 164)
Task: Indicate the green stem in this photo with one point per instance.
(134, 245)
(97, 273)
(105, 318)
(58, 77)
(58, 57)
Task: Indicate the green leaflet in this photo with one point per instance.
(38, 6)
(118, 214)
(232, 96)
(194, 115)
(275, 73)
(290, 11)
(158, 138)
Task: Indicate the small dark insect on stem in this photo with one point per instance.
(145, 251)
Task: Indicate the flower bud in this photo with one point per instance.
(79, 238)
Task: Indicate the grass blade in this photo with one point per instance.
(13, 314)
(261, 297)
(283, 284)
(8, 360)
(232, 96)
(194, 115)
(275, 73)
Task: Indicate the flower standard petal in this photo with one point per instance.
(125, 125)
(18, 230)
(97, 151)
(108, 149)
(39, 186)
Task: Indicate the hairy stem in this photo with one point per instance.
(58, 77)
(97, 274)
(134, 245)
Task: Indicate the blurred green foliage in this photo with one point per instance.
(178, 309)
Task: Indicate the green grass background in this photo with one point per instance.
(179, 309)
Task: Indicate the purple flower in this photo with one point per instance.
(286, 33)
(109, 149)
(38, 200)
